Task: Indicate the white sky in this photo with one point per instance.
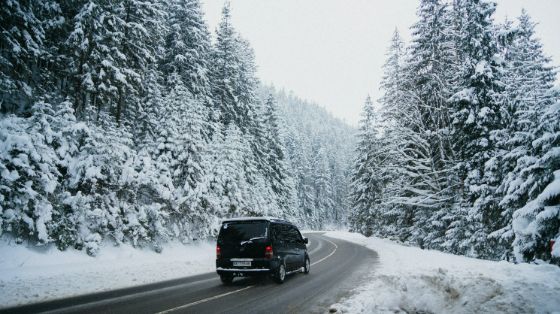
(331, 51)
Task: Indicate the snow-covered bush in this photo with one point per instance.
(31, 172)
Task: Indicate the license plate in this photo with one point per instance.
(242, 263)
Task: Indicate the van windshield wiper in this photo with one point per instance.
(251, 240)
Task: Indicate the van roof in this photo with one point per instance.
(272, 219)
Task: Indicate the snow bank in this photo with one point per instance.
(31, 274)
(411, 280)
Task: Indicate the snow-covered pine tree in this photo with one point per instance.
(233, 76)
(148, 111)
(109, 48)
(25, 52)
(246, 89)
(538, 221)
(400, 118)
(178, 150)
(529, 79)
(90, 52)
(155, 184)
(187, 46)
(530, 199)
(431, 69)
(139, 32)
(70, 134)
(91, 187)
(223, 68)
(476, 117)
(29, 174)
(366, 186)
(300, 153)
(393, 82)
(323, 190)
(229, 172)
(276, 172)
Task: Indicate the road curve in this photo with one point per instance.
(336, 267)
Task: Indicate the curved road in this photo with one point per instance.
(336, 267)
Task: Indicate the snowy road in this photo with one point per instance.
(336, 269)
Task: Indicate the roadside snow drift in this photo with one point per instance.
(412, 280)
(31, 274)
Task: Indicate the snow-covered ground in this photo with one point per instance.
(407, 279)
(38, 274)
(411, 280)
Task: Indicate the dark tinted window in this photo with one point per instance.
(293, 234)
(238, 231)
(286, 235)
(296, 234)
(280, 232)
(276, 232)
(284, 232)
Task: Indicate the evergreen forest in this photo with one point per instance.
(461, 153)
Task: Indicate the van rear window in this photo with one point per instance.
(238, 231)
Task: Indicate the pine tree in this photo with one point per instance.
(537, 222)
(400, 118)
(233, 76)
(394, 96)
(430, 71)
(248, 82)
(276, 172)
(300, 156)
(30, 174)
(322, 185)
(25, 51)
(148, 111)
(530, 159)
(90, 52)
(476, 117)
(224, 61)
(365, 185)
(187, 46)
(109, 48)
(139, 34)
(232, 185)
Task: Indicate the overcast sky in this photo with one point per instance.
(331, 51)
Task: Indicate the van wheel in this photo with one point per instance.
(226, 279)
(280, 275)
(307, 266)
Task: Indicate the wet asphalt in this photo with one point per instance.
(337, 267)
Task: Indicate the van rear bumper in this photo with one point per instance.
(241, 270)
(259, 266)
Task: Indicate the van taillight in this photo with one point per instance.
(268, 252)
(218, 251)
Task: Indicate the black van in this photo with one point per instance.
(258, 245)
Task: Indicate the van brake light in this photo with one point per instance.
(268, 253)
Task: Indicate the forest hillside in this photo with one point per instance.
(131, 122)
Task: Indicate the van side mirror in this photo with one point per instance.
(305, 240)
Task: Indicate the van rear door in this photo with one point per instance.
(243, 239)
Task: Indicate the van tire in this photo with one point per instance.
(280, 275)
